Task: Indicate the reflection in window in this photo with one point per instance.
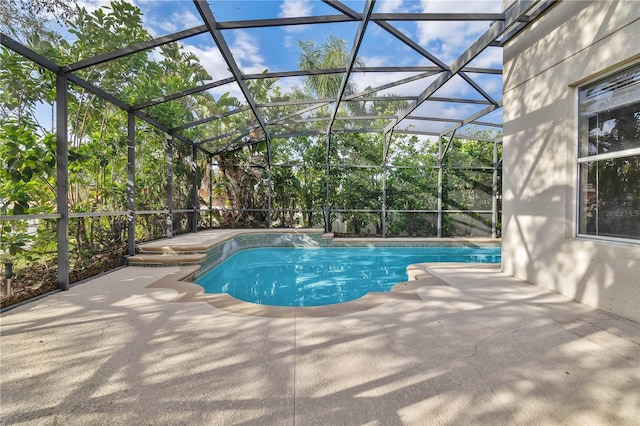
(610, 198)
(609, 157)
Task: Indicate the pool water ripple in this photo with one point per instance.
(324, 276)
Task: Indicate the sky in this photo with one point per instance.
(276, 48)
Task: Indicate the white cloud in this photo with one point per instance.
(289, 83)
(491, 57)
(493, 117)
(456, 87)
(176, 21)
(447, 40)
(156, 27)
(287, 42)
(212, 60)
(246, 51)
(379, 61)
(389, 6)
(492, 84)
(446, 110)
(423, 126)
(493, 87)
(372, 79)
(92, 5)
(186, 18)
(233, 89)
(295, 8)
(413, 88)
(461, 6)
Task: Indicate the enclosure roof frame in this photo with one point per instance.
(504, 26)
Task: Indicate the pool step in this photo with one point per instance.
(168, 254)
(418, 271)
(170, 250)
(143, 259)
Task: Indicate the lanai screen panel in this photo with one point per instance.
(273, 113)
(377, 43)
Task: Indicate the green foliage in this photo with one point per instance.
(27, 168)
(23, 83)
(245, 183)
(20, 18)
(27, 181)
(330, 54)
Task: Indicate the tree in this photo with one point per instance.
(27, 181)
(98, 142)
(332, 53)
(21, 18)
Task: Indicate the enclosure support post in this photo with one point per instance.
(385, 147)
(327, 220)
(194, 189)
(210, 167)
(131, 184)
(170, 186)
(270, 176)
(440, 187)
(62, 181)
(269, 198)
(383, 221)
(494, 195)
(269, 185)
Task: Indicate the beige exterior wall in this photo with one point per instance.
(573, 43)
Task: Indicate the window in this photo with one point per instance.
(609, 157)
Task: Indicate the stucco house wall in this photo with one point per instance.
(573, 43)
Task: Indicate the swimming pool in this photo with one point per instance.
(325, 276)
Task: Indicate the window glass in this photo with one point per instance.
(609, 185)
(610, 202)
(609, 113)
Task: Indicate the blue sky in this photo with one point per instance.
(276, 48)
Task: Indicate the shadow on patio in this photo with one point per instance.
(485, 350)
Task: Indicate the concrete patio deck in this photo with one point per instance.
(475, 348)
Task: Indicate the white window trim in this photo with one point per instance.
(609, 155)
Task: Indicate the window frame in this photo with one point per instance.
(580, 160)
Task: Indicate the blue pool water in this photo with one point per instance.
(324, 276)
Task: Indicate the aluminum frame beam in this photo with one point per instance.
(413, 98)
(419, 49)
(353, 96)
(472, 118)
(412, 44)
(135, 48)
(347, 118)
(515, 12)
(24, 51)
(303, 73)
(70, 77)
(504, 26)
(362, 27)
(437, 16)
(543, 7)
(348, 15)
(282, 22)
(209, 119)
(207, 15)
(426, 70)
(183, 93)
